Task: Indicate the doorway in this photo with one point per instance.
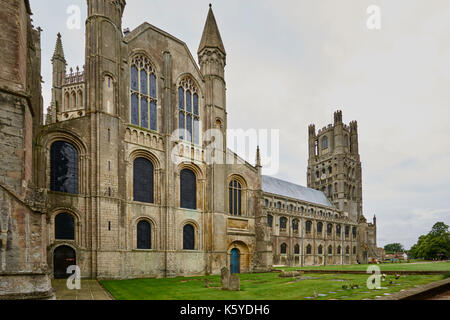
(235, 261)
(63, 257)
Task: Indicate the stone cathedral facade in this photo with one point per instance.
(114, 191)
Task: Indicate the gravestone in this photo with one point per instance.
(235, 283)
(225, 273)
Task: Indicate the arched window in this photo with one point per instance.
(63, 167)
(347, 250)
(339, 250)
(278, 205)
(308, 249)
(330, 191)
(296, 249)
(64, 227)
(189, 112)
(266, 203)
(269, 220)
(338, 230)
(329, 228)
(295, 225)
(354, 232)
(143, 172)
(235, 198)
(308, 226)
(330, 250)
(283, 249)
(144, 235)
(319, 227)
(347, 231)
(325, 142)
(320, 250)
(291, 207)
(188, 189)
(143, 96)
(283, 223)
(354, 250)
(188, 237)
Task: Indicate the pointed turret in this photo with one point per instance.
(59, 63)
(212, 61)
(211, 36)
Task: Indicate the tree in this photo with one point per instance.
(434, 245)
(394, 247)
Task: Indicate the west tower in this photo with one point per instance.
(334, 165)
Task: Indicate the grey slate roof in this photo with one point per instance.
(291, 190)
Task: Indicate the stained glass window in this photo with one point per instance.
(188, 103)
(325, 142)
(188, 190)
(64, 227)
(308, 226)
(270, 220)
(283, 248)
(143, 93)
(188, 237)
(283, 223)
(308, 249)
(235, 198)
(319, 227)
(144, 235)
(295, 225)
(143, 180)
(296, 249)
(63, 167)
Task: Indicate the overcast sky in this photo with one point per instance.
(292, 63)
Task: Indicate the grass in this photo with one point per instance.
(267, 286)
(438, 266)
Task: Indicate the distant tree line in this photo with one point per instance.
(433, 246)
(394, 247)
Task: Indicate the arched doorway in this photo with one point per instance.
(235, 261)
(63, 257)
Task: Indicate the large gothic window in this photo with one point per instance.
(64, 227)
(269, 220)
(320, 250)
(308, 249)
(63, 167)
(296, 249)
(338, 230)
(143, 96)
(295, 225)
(329, 228)
(144, 235)
(188, 190)
(319, 227)
(143, 180)
(235, 198)
(283, 223)
(325, 142)
(189, 112)
(188, 237)
(283, 249)
(308, 226)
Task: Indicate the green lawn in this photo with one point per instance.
(437, 266)
(267, 286)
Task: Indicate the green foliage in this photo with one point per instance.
(434, 245)
(394, 247)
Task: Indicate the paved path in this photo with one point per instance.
(442, 296)
(90, 290)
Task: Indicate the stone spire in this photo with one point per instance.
(258, 157)
(59, 52)
(211, 36)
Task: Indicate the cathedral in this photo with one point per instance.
(118, 178)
